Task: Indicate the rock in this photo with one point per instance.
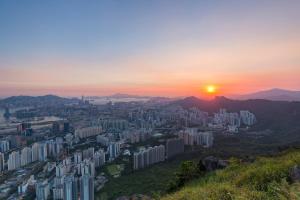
(294, 173)
(222, 164)
(212, 163)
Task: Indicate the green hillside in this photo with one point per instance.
(267, 178)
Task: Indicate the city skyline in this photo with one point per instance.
(170, 48)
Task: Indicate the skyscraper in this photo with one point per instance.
(88, 131)
(4, 145)
(26, 156)
(77, 157)
(2, 162)
(87, 167)
(148, 157)
(60, 170)
(86, 187)
(58, 192)
(35, 152)
(247, 117)
(88, 153)
(70, 188)
(42, 190)
(43, 151)
(99, 158)
(114, 150)
(193, 137)
(14, 161)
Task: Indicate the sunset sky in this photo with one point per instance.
(148, 47)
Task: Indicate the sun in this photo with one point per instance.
(210, 89)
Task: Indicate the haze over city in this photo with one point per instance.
(169, 48)
(150, 100)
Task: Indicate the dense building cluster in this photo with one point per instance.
(88, 131)
(61, 151)
(136, 136)
(74, 177)
(192, 136)
(149, 156)
(152, 155)
(39, 151)
(113, 124)
(233, 120)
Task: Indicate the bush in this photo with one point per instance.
(188, 170)
(264, 179)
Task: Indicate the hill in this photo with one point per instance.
(276, 115)
(23, 101)
(275, 94)
(267, 178)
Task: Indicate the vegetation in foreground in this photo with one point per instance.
(157, 179)
(267, 178)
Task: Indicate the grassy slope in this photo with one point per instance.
(264, 179)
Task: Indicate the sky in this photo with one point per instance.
(148, 47)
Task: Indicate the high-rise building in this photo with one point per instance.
(14, 161)
(88, 131)
(54, 147)
(58, 181)
(59, 144)
(247, 117)
(174, 146)
(87, 167)
(59, 127)
(42, 190)
(113, 150)
(4, 145)
(2, 162)
(207, 139)
(51, 150)
(70, 188)
(88, 153)
(77, 157)
(56, 127)
(43, 151)
(86, 187)
(99, 158)
(149, 156)
(35, 152)
(113, 124)
(69, 139)
(66, 127)
(67, 162)
(60, 170)
(193, 137)
(26, 156)
(58, 192)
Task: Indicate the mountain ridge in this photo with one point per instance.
(274, 94)
(24, 100)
